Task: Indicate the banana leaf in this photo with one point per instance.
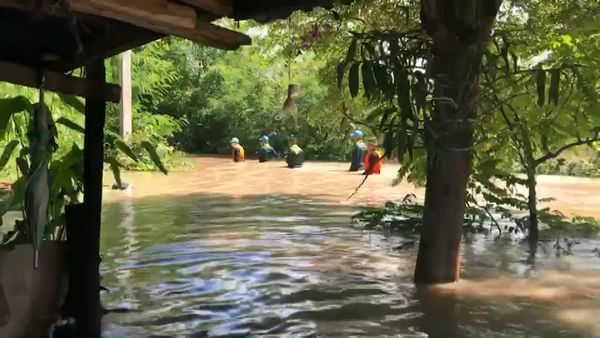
(151, 150)
(37, 191)
(9, 107)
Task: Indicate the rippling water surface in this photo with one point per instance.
(262, 250)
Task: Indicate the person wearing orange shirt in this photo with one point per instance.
(237, 151)
(373, 159)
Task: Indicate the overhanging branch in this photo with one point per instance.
(553, 154)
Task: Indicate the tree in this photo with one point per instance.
(429, 89)
(547, 108)
(458, 42)
(50, 168)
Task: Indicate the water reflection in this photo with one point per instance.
(275, 263)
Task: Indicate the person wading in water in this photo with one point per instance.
(237, 151)
(295, 156)
(373, 159)
(358, 153)
(266, 151)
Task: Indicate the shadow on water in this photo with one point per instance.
(207, 264)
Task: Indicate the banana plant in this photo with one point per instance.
(64, 174)
(41, 141)
(119, 145)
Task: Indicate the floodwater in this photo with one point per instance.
(258, 249)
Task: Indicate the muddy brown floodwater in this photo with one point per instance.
(258, 249)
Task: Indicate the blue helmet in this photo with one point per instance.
(264, 138)
(357, 134)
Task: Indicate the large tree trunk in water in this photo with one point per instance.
(533, 233)
(448, 171)
(457, 53)
(438, 260)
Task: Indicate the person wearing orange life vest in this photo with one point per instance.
(237, 151)
(373, 159)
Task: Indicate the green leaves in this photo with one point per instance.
(73, 102)
(381, 76)
(122, 146)
(341, 70)
(540, 83)
(554, 86)
(369, 81)
(7, 153)
(553, 89)
(385, 116)
(71, 125)
(115, 167)
(154, 156)
(352, 50)
(23, 165)
(11, 106)
(353, 79)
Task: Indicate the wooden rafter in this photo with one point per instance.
(201, 32)
(151, 14)
(215, 36)
(117, 38)
(159, 16)
(217, 7)
(57, 82)
(46, 6)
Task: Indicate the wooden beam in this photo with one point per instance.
(217, 7)
(154, 19)
(215, 36)
(58, 82)
(42, 6)
(201, 32)
(151, 14)
(118, 38)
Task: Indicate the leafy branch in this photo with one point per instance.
(553, 154)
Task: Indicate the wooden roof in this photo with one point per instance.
(61, 35)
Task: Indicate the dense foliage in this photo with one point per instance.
(43, 158)
(539, 99)
(213, 96)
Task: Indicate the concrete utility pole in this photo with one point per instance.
(125, 115)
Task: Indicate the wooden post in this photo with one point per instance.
(125, 116)
(89, 307)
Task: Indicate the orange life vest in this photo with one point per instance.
(241, 149)
(377, 165)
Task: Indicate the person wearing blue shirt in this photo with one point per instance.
(266, 151)
(358, 153)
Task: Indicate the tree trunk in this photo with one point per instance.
(457, 53)
(440, 312)
(438, 260)
(533, 230)
(531, 169)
